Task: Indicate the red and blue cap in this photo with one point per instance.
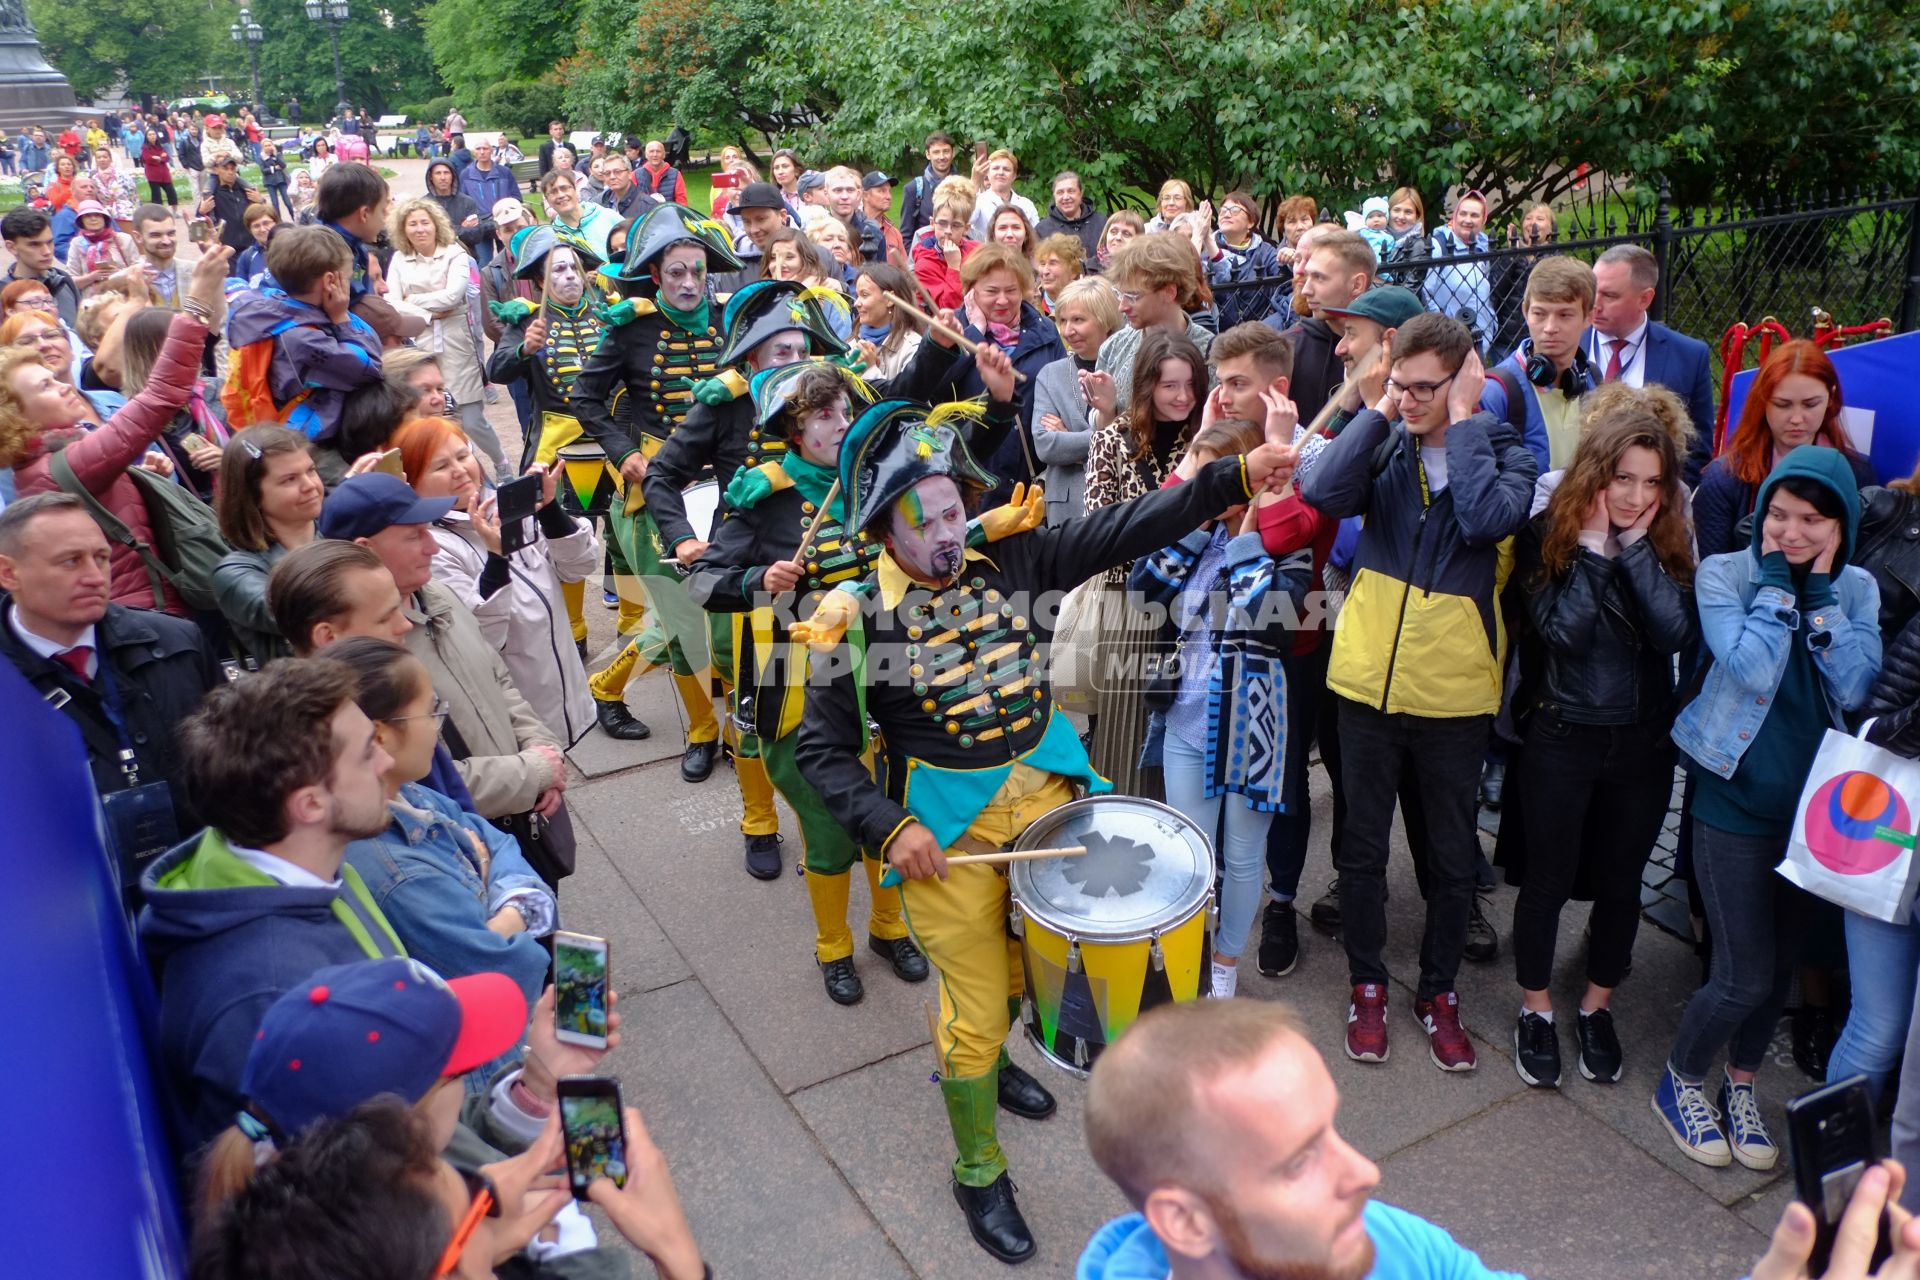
(355, 1031)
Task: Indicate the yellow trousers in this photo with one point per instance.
(961, 924)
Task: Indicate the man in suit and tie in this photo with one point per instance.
(1623, 344)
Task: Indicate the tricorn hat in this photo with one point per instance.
(531, 245)
(767, 307)
(898, 443)
(666, 225)
(772, 389)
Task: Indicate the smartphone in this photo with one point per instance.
(199, 231)
(1834, 1139)
(580, 989)
(595, 1130)
(194, 440)
(725, 181)
(517, 501)
(391, 464)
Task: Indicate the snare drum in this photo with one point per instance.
(703, 514)
(1113, 932)
(588, 489)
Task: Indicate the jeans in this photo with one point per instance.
(1882, 959)
(277, 197)
(1756, 917)
(1591, 796)
(1442, 758)
(1242, 847)
(1287, 836)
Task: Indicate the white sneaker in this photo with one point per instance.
(1226, 979)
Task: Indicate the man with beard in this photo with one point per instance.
(974, 751)
(1215, 1120)
(284, 767)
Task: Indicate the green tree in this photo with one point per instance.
(383, 53)
(152, 46)
(477, 43)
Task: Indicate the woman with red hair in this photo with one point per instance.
(1795, 400)
(514, 596)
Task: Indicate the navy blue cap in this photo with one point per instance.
(364, 505)
(354, 1031)
(811, 180)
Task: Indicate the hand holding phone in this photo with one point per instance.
(389, 462)
(647, 1210)
(593, 1123)
(1835, 1143)
(516, 501)
(582, 990)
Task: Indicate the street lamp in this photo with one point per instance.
(250, 33)
(333, 13)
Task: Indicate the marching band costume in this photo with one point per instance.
(972, 749)
(770, 511)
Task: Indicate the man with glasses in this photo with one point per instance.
(623, 195)
(1416, 663)
(29, 238)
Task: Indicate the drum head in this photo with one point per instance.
(1146, 868)
(703, 507)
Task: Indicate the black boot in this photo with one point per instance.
(1021, 1094)
(1493, 785)
(764, 861)
(580, 647)
(843, 981)
(697, 764)
(909, 965)
(618, 722)
(995, 1220)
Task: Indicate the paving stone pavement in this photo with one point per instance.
(808, 1140)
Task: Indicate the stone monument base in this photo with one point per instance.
(31, 92)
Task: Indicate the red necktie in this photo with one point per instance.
(75, 660)
(1613, 361)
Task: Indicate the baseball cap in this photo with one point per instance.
(1387, 305)
(811, 180)
(214, 118)
(875, 179)
(507, 209)
(364, 505)
(760, 195)
(354, 1031)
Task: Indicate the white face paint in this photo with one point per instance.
(565, 284)
(821, 431)
(789, 346)
(681, 273)
(927, 530)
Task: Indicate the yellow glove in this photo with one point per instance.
(828, 625)
(1027, 509)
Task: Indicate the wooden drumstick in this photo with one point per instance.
(1331, 407)
(892, 877)
(961, 340)
(806, 535)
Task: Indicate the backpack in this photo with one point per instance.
(1516, 407)
(246, 395)
(186, 547)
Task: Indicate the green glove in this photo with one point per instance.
(712, 391)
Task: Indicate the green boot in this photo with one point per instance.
(971, 1105)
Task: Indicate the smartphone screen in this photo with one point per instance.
(595, 1132)
(517, 501)
(580, 989)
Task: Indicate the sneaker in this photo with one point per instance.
(1690, 1120)
(1367, 1023)
(609, 599)
(1224, 980)
(1279, 940)
(1325, 912)
(1746, 1131)
(1483, 944)
(1447, 1041)
(1536, 1051)
(1599, 1046)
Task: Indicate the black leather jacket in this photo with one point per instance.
(1894, 703)
(1603, 634)
(1890, 550)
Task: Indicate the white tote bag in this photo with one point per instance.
(1853, 832)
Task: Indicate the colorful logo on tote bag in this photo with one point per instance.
(1856, 824)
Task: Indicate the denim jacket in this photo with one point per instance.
(426, 878)
(1747, 627)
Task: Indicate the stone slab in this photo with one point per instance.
(595, 899)
(1540, 1187)
(651, 697)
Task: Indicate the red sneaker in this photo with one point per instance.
(1367, 1023)
(1446, 1040)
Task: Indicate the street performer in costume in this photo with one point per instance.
(662, 338)
(546, 343)
(941, 650)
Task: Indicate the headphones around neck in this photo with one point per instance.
(1573, 383)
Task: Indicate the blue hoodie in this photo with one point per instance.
(1404, 1248)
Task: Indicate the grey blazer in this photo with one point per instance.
(1056, 390)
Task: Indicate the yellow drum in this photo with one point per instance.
(587, 482)
(1116, 931)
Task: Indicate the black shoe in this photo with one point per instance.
(1813, 1039)
(580, 647)
(1483, 944)
(763, 857)
(1536, 1051)
(1325, 912)
(1493, 783)
(994, 1218)
(618, 722)
(843, 982)
(1279, 940)
(908, 964)
(1021, 1094)
(1599, 1046)
(697, 764)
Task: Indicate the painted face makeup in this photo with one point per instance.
(821, 431)
(927, 530)
(564, 281)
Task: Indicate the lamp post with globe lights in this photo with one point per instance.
(335, 14)
(250, 33)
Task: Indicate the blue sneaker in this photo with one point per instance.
(1752, 1145)
(609, 599)
(1690, 1120)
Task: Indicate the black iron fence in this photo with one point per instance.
(1858, 261)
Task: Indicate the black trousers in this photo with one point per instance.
(1442, 757)
(1592, 799)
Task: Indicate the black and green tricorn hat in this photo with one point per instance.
(898, 443)
(666, 225)
(531, 245)
(767, 307)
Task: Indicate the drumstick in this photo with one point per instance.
(892, 877)
(806, 535)
(1331, 407)
(961, 340)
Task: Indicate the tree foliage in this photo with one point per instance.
(521, 106)
(152, 46)
(383, 53)
(477, 43)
